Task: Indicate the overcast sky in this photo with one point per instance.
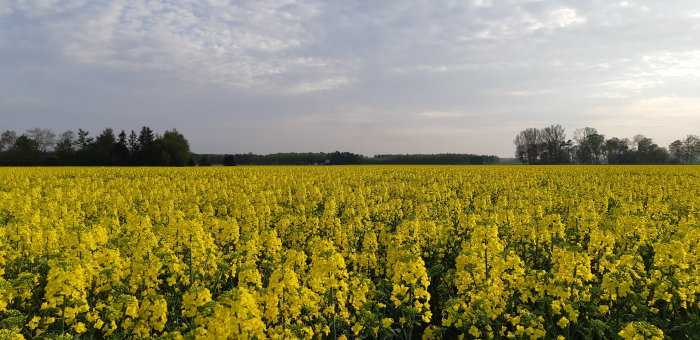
(419, 76)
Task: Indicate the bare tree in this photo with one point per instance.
(642, 143)
(647, 152)
(581, 134)
(7, 140)
(45, 138)
(553, 143)
(639, 140)
(526, 145)
(676, 150)
(66, 143)
(596, 143)
(691, 148)
(590, 145)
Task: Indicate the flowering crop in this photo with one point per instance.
(350, 252)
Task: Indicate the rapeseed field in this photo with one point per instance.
(402, 252)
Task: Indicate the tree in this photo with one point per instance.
(647, 152)
(83, 141)
(104, 148)
(25, 151)
(203, 161)
(685, 151)
(553, 145)
(146, 152)
(121, 150)
(64, 146)
(133, 142)
(149, 148)
(526, 145)
(229, 160)
(45, 138)
(590, 145)
(676, 151)
(338, 157)
(691, 148)
(175, 150)
(121, 139)
(7, 140)
(146, 137)
(617, 150)
(595, 143)
(581, 134)
(106, 139)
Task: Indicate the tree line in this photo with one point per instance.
(40, 146)
(549, 145)
(341, 158)
(438, 159)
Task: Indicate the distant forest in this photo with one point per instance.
(549, 145)
(44, 147)
(335, 158)
(146, 148)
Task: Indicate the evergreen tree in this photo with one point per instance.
(25, 151)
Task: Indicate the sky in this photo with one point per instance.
(370, 77)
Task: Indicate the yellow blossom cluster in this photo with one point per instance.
(350, 252)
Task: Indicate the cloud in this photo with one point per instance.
(254, 45)
(351, 69)
(482, 3)
(518, 21)
(664, 119)
(443, 114)
(657, 69)
(676, 64)
(634, 83)
(656, 109)
(633, 5)
(563, 17)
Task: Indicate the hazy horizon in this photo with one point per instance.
(363, 77)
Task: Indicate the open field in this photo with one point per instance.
(355, 252)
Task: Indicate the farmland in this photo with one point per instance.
(350, 252)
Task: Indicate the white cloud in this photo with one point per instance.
(634, 83)
(443, 114)
(253, 45)
(529, 61)
(664, 118)
(662, 108)
(518, 22)
(657, 69)
(565, 17)
(482, 3)
(683, 64)
(633, 5)
(550, 21)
